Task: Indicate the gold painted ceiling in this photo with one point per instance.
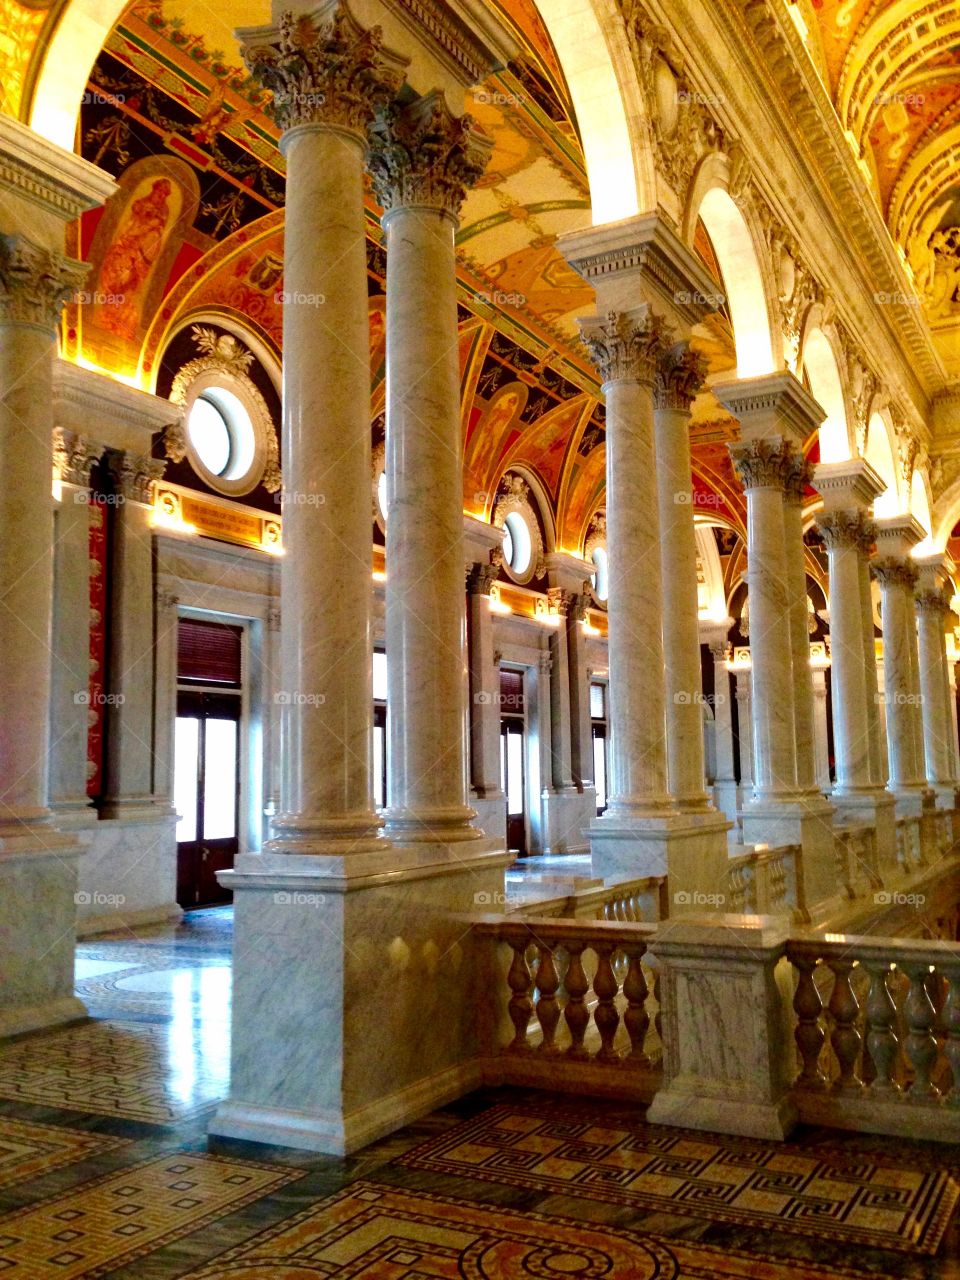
(892, 68)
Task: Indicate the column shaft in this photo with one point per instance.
(937, 722)
(803, 721)
(875, 729)
(680, 375)
(901, 694)
(484, 685)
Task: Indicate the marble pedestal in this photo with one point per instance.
(355, 995)
(690, 849)
(875, 809)
(911, 801)
(727, 1033)
(38, 882)
(807, 822)
(565, 817)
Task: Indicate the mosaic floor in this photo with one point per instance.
(106, 1170)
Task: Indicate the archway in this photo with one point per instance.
(879, 453)
(820, 365)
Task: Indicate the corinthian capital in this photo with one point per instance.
(934, 602)
(799, 475)
(422, 155)
(329, 71)
(841, 529)
(35, 282)
(763, 464)
(625, 346)
(890, 571)
(136, 476)
(680, 375)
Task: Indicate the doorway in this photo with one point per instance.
(207, 756)
(513, 746)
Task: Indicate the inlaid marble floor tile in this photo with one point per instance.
(32, 1150)
(159, 1074)
(373, 1232)
(849, 1197)
(109, 1221)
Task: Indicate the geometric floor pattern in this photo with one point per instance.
(859, 1199)
(111, 1068)
(31, 1150)
(371, 1232)
(110, 1221)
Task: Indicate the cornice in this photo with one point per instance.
(57, 180)
(95, 395)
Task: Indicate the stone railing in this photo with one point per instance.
(763, 882)
(858, 872)
(878, 1035)
(910, 853)
(631, 902)
(581, 1006)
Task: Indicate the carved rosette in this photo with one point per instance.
(73, 457)
(623, 349)
(423, 156)
(333, 73)
(840, 529)
(35, 283)
(892, 572)
(763, 464)
(680, 375)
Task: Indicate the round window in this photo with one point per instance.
(517, 543)
(599, 575)
(222, 434)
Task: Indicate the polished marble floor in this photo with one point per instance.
(106, 1169)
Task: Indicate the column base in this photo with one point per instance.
(491, 819)
(348, 837)
(692, 1110)
(338, 976)
(564, 816)
(689, 849)
(442, 824)
(948, 795)
(38, 885)
(911, 801)
(807, 821)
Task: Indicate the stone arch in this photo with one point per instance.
(741, 264)
(591, 43)
(881, 453)
(711, 601)
(818, 359)
(921, 508)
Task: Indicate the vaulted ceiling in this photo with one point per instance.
(892, 68)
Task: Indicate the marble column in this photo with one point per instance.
(74, 457)
(896, 572)
(129, 730)
(776, 415)
(744, 683)
(821, 730)
(725, 782)
(43, 188)
(933, 610)
(423, 160)
(581, 728)
(679, 377)
(327, 79)
(486, 792)
(799, 476)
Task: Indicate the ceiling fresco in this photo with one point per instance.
(893, 71)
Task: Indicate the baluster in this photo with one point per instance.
(845, 1038)
(521, 1006)
(883, 1043)
(576, 1013)
(605, 1014)
(548, 1006)
(921, 1044)
(951, 1025)
(636, 1019)
(809, 1034)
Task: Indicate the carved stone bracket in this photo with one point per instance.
(136, 477)
(480, 578)
(763, 464)
(423, 156)
(799, 476)
(74, 456)
(680, 375)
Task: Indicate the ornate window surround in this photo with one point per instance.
(514, 496)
